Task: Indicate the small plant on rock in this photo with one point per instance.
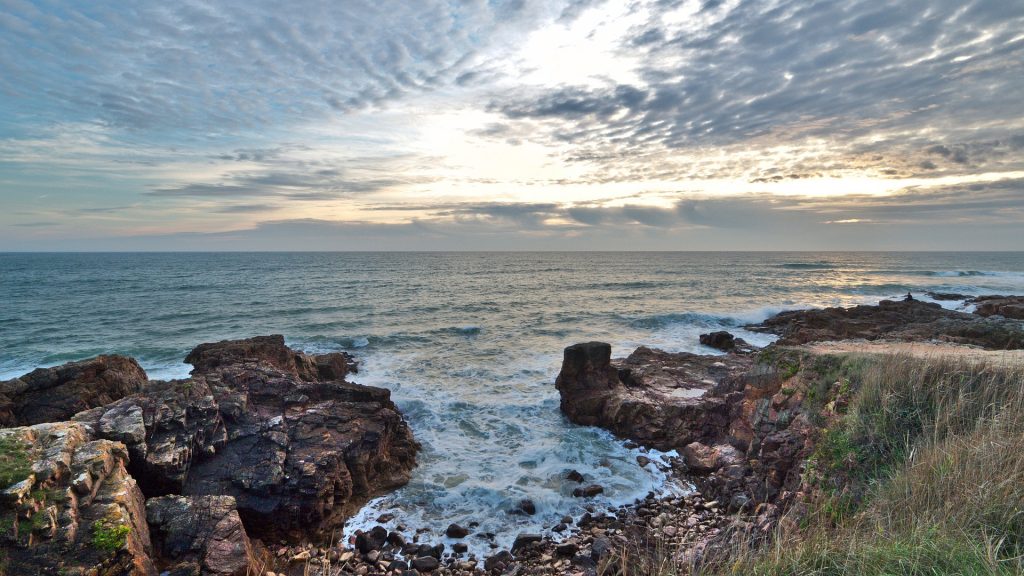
(109, 536)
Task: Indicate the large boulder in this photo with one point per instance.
(271, 350)
(905, 320)
(68, 505)
(55, 394)
(659, 399)
(256, 421)
(200, 534)
(741, 434)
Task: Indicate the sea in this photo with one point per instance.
(468, 343)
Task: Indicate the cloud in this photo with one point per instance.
(490, 121)
(217, 66)
(869, 78)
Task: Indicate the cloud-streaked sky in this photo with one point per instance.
(512, 124)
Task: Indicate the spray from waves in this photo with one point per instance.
(706, 319)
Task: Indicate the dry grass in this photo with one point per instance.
(924, 475)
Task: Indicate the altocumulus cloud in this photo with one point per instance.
(930, 79)
(263, 114)
(208, 67)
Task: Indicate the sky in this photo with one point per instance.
(512, 125)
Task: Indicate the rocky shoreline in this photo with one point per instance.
(261, 442)
(252, 465)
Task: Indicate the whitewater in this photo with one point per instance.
(468, 343)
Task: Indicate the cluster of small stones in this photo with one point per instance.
(682, 524)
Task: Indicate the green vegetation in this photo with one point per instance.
(109, 536)
(922, 474)
(14, 461)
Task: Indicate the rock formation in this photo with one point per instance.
(911, 320)
(658, 399)
(260, 441)
(1005, 306)
(253, 422)
(200, 534)
(69, 505)
(724, 414)
(56, 394)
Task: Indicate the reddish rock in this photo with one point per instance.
(704, 459)
(56, 394)
(655, 398)
(272, 351)
(203, 533)
(721, 340)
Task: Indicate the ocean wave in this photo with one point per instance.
(958, 273)
(702, 319)
(632, 284)
(949, 273)
(808, 266)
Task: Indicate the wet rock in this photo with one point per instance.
(720, 340)
(659, 399)
(272, 351)
(946, 296)
(374, 539)
(528, 507)
(56, 394)
(396, 539)
(498, 562)
(524, 540)
(588, 491)
(456, 531)
(426, 563)
(203, 532)
(574, 476)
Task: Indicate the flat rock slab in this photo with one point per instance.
(899, 320)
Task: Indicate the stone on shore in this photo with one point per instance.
(658, 399)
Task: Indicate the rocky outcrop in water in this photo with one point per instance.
(896, 320)
(255, 422)
(724, 414)
(261, 441)
(1005, 306)
(658, 399)
(56, 394)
